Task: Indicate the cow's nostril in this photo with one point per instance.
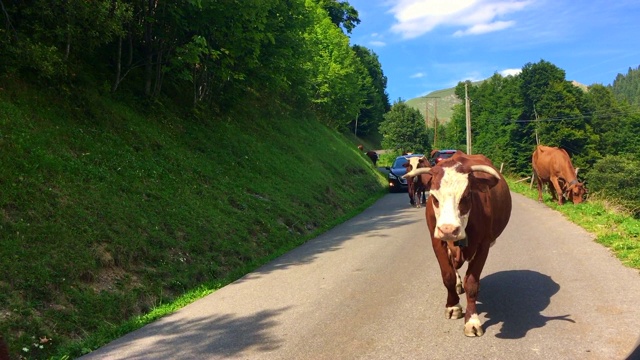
(450, 230)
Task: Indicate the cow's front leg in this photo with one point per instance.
(453, 309)
(472, 323)
(558, 188)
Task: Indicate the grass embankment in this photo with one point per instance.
(111, 216)
(613, 226)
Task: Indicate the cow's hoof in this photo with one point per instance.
(453, 312)
(473, 327)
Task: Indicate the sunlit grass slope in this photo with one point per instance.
(108, 211)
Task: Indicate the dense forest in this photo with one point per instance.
(626, 87)
(292, 55)
(597, 127)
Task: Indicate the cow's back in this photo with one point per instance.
(547, 161)
(497, 210)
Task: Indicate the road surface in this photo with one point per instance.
(371, 289)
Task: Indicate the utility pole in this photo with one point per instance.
(468, 113)
(537, 124)
(435, 117)
(435, 123)
(426, 111)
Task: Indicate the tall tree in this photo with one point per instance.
(336, 72)
(404, 129)
(376, 103)
(627, 87)
(342, 14)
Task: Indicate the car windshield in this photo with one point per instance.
(446, 155)
(399, 162)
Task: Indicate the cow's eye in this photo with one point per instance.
(465, 204)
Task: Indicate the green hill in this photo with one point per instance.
(439, 103)
(110, 212)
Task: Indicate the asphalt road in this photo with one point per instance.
(371, 289)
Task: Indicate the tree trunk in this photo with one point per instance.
(148, 39)
(117, 79)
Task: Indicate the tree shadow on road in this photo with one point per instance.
(516, 299)
(199, 337)
(397, 213)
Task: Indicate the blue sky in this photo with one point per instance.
(427, 45)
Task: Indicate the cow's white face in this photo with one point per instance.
(451, 205)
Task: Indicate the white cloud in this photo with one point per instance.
(417, 75)
(417, 17)
(485, 28)
(377, 43)
(508, 72)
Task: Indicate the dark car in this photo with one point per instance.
(440, 155)
(396, 170)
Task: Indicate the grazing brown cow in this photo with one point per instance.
(553, 165)
(468, 208)
(415, 187)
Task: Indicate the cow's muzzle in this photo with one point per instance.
(449, 232)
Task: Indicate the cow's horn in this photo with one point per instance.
(487, 169)
(417, 171)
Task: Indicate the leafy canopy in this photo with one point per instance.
(404, 129)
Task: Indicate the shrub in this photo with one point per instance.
(616, 177)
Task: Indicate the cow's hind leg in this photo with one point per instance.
(417, 199)
(472, 323)
(539, 185)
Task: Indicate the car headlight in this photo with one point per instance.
(391, 176)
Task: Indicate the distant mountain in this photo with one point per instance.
(444, 100)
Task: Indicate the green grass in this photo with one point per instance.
(112, 216)
(613, 226)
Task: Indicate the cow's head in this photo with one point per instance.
(452, 184)
(415, 163)
(576, 191)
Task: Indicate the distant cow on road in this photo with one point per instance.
(468, 208)
(552, 165)
(415, 187)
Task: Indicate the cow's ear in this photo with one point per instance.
(482, 182)
(406, 164)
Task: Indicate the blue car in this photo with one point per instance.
(396, 170)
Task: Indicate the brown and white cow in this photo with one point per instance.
(468, 208)
(552, 165)
(415, 187)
